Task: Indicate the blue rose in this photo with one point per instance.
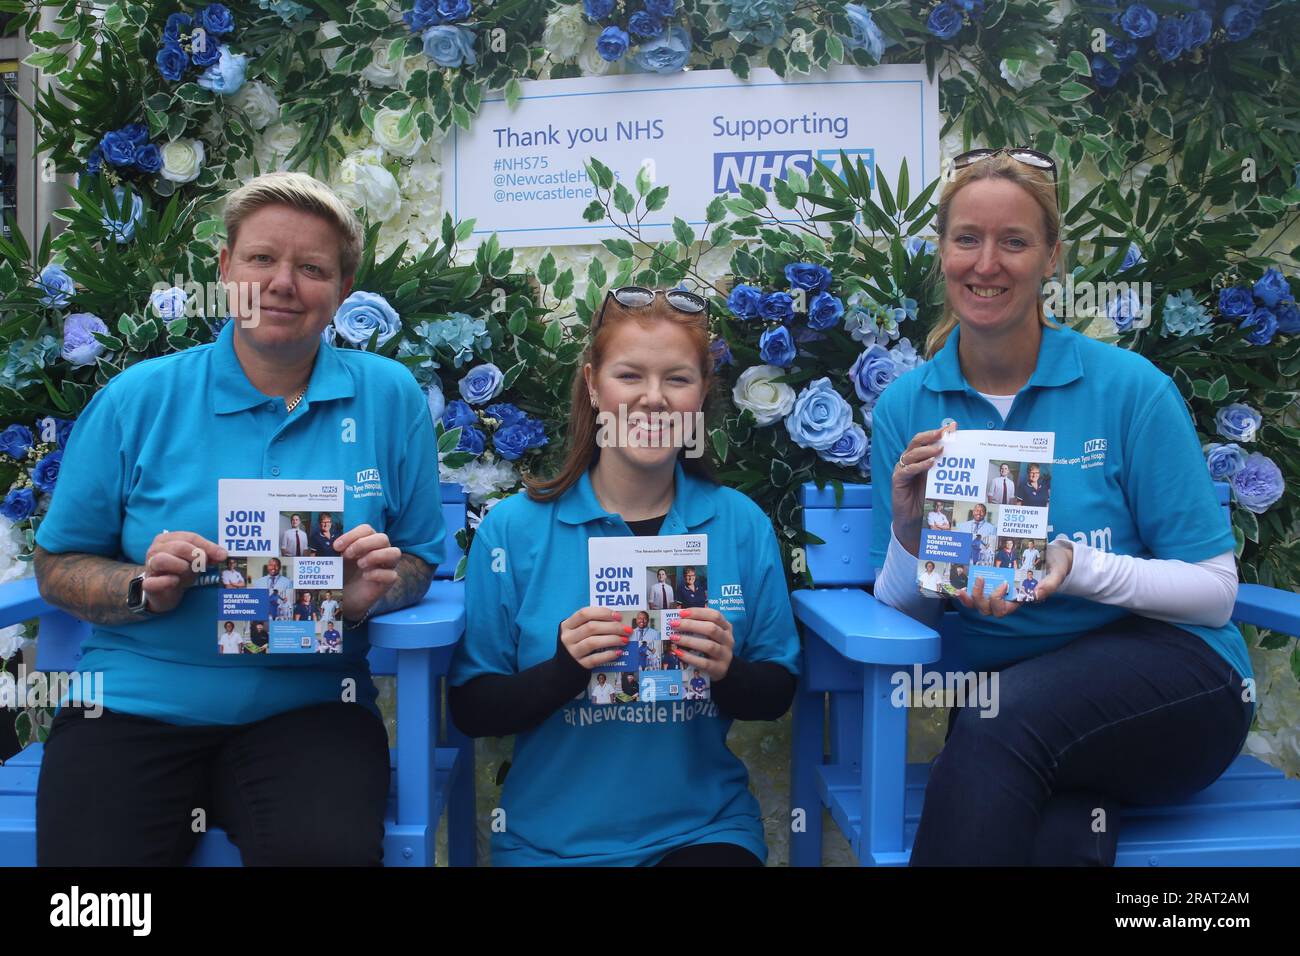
(1237, 422)
(149, 158)
(511, 441)
(808, 276)
(118, 148)
(1124, 50)
(721, 353)
(866, 35)
(1236, 302)
(481, 384)
(123, 230)
(57, 286)
(471, 440)
(458, 414)
(1124, 309)
(871, 373)
(171, 61)
(1263, 326)
(850, 449)
(1224, 461)
(776, 307)
(1197, 27)
(612, 44)
(95, 161)
(1272, 287)
(505, 412)
(666, 53)
(1133, 257)
(137, 133)
(819, 418)
(217, 19)
(206, 52)
(15, 440)
(824, 311)
(944, 21)
(424, 15)
(361, 313)
(744, 301)
(916, 245)
(598, 9)
(62, 430)
(449, 46)
(1259, 484)
(1138, 21)
(177, 24)
(80, 347)
(452, 11)
(661, 8)
(1288, 319)
(777, 347)
(1104, 72)
(225, 76)
(19, 504)
(1239, 21)
(644, 24)
(46, 473)
(1170, 38)
(168, 304)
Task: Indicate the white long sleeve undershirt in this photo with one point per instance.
(1179, 592)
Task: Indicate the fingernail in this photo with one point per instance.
(625, 640)
(686, 613)
(618, 616)
(675, 637)
(627, 628)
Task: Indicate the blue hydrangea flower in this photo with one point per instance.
(1183, 315)
(762, 21)
(1259, 484)
(1224, 461)
(459, 334)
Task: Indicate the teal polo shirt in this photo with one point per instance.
(146, 456)
(1128, 476)
(619, 784)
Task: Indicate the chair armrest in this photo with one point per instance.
(1268, 607)
(436, 621)
(860, 628)
(20, 601)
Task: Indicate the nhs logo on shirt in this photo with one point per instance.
(1094, 453)
(730, 598)
(368, 484)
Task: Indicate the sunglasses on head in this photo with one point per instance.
(1030, 157)
(636, 297)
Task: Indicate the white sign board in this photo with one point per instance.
(521, 173)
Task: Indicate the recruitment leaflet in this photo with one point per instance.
(650, 580)
(985, 514)
(282, 584)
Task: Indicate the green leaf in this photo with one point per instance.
(623, 199)
(719, 438)
(1247, 522)
(643, 181)
(780, 473)
(600, 174)
(551, 337)
(1162, 122)
(596, 276)
(518, 321)
(656, 198)
(514, 90)
(682, 232)
(716, 211)
(594, 212)
(619, 247)
(564, 285)
(546, 270)
(784, 194)
(1219, 389)
(1078, 62)
(1072, 92)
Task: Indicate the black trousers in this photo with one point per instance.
(307, 787)
(710, 854)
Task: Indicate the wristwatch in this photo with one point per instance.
(137, 602)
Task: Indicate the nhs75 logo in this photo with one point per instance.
(760, 167)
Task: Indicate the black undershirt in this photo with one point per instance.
(496, 705)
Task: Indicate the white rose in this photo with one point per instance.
(424, 176)
(565, 32)
(258, 103)
(381, 71)
(328, 31)
(589, 61)
(281, 138)
(391, 139)
(12, 640)
(769, 401)
(376, 189)
(352, 142)
(182, 160)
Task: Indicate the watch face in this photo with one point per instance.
(135, 594)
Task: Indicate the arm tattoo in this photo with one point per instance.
(89, 586)
(413, 577)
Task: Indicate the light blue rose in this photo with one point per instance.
(905, 356)
(820, 417)
(1237, 422)
(872, 372)
(1124, 309)
(360, 314)
(866, 35)
(1259, 484)
(168, 304)
(666, 53)
(80, 347)
(850, 449)
(450, 46)
(57, 286)
(1132, 258)
(225, 76)
(612, 44)
(123, 230)
(481, 384)
(1224, 461)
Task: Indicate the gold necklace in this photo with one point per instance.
(290, 406)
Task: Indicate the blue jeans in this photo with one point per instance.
(1138, 712)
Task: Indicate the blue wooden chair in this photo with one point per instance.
(852, 645)
(433, 763)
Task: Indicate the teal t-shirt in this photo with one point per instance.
(146, 455)
(619, 784)
(1128, 477)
